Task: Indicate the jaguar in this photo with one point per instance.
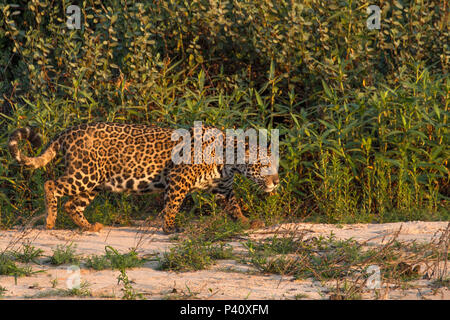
(134, 158)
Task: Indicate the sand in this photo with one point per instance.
(227, 279)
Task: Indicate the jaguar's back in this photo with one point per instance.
(117, 157)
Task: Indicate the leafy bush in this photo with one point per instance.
(362, 114)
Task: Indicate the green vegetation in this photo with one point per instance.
(64, 254)
(28, 253)
(80, 292)
(2, 291)
(16, 262)
(8, 267)
(129, 293)
(213, 228)
(114, 260)
(201, 245)
(362, 114)
(194, 254)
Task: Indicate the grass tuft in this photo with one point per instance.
(114, 260)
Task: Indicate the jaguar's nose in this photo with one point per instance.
(275, 180)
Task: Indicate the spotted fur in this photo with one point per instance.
(130, 158)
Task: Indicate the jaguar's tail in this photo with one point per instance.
(33, 136)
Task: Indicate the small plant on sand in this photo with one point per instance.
(213, 228)
(2, 291)
(81, 291)
(115, 260)
(180, 294)
(64, 254)
(129, 293)
(9, 267)
(193, 254)
(28, 253)
(201, 244)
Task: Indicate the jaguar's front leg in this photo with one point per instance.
(233, 209)
(231, 204)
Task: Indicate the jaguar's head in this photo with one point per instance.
(264, 172)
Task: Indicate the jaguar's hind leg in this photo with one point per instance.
(65, 186)
(173, 200)
(75, 208)
(179, 184)
(51, 203)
